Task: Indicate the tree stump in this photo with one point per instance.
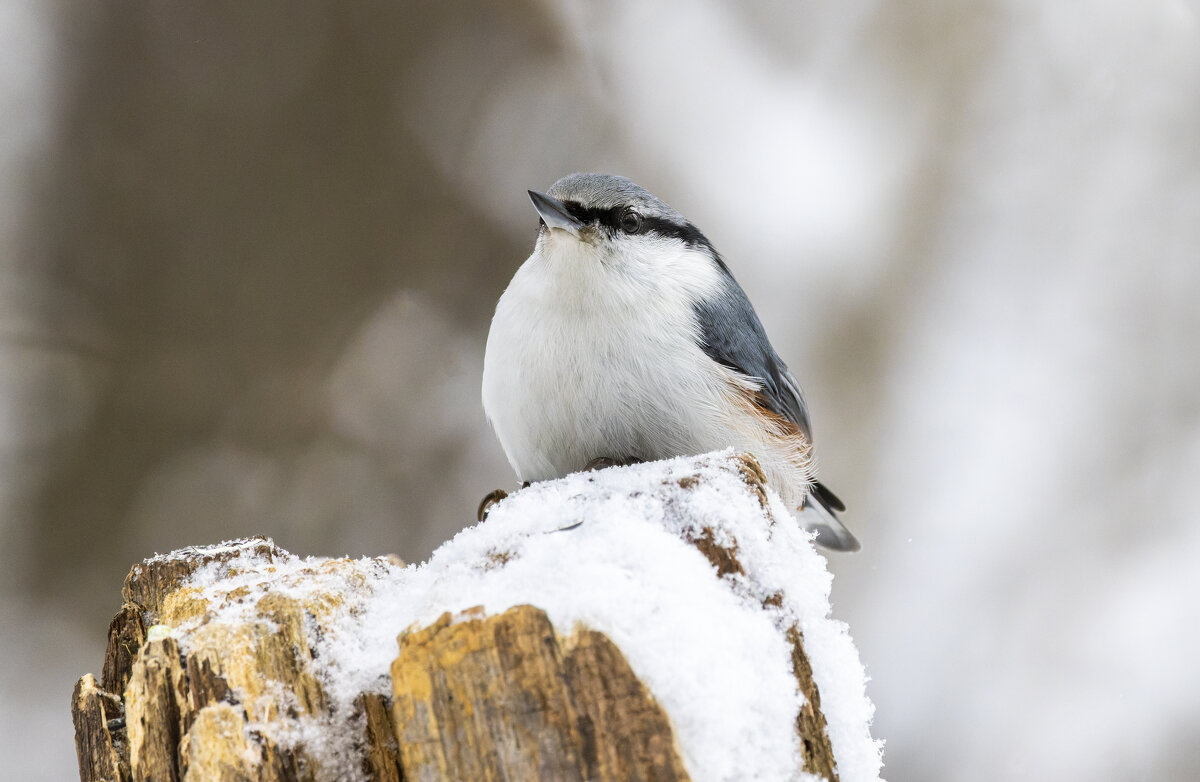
(243, 662)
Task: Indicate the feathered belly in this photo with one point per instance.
(561, 397)
(569, 402)
(572, 405)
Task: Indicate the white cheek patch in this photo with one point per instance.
(663, 273)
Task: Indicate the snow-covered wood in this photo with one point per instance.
(664, 621)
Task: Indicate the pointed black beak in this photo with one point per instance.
(554, 213)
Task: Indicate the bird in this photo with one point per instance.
(625, 338)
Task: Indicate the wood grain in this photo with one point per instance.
(504, 697)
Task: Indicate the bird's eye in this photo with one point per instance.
(631, 221)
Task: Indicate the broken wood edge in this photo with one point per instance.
(126, 635)
(99, 733)
(382, 761)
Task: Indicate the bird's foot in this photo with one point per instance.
(489, 501)
(600, 462)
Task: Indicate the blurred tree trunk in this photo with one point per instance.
(233, 192)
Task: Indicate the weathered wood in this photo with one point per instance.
(155, 703)
(102, 756)
(190, 717)
(503, 697)
(215, 748)
(810, 722)
(723, 558)
(638, 741)
(382, 763)
(206, 685)
(258, 657)
(126, 634)
(456, 689)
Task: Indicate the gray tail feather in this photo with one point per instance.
(819, 515)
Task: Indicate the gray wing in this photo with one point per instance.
(733, 335)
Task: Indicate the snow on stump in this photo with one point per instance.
(666, 621)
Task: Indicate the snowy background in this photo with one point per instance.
(248, 253)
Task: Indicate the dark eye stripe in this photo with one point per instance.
(687, 233)
(611, 219)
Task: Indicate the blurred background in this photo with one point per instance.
(249, 253)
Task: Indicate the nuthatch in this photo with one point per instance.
(625, 338)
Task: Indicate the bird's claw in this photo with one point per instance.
(489, 500)
(601, 462)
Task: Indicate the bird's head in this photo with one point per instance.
(609, 220)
